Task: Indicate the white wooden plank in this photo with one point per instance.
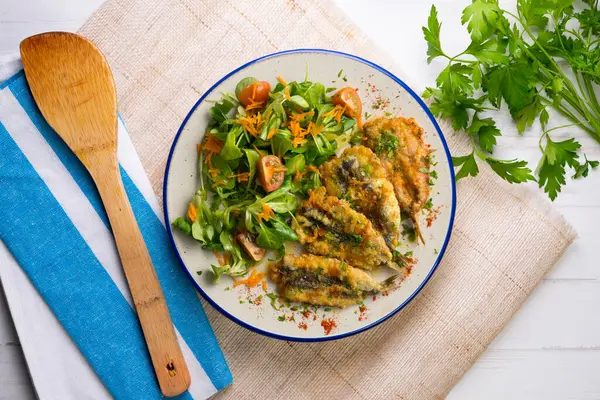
(559, 314)
(532, 375)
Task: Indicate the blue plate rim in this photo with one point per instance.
(450, 222)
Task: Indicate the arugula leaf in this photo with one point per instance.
(268, 238)
(252, 156)
(467, 164)
(432, 36)
(230, 150)
(481, 15)
(299, 101)
(284, 230)
(295, 164)
(221, 109)
(184, 226)
(281, 142)
(314, 95)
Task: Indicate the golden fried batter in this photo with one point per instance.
(325, 281)
(328, 226)
(358, 177)
(399, 144)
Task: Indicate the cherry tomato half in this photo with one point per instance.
(270, 172)
(257, 92)
(349, 99)
(254, 252)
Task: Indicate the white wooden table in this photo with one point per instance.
(550, 350)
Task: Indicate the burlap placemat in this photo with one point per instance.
(166, 54)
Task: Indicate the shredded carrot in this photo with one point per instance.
(264, 285)
(280, 79)
(359, 122)
(271, 133)
(254, 105)
(220, 258)
(332, 111)
(266, 213)
(254, 279)
(198, 149)
(213, 172)
(212, 144)
(314, 169)
(192, 213)
(298, 175)
(301, 116)
(298, 141)
(314, 129)
(254, 123)
(208, 160)
(227, 258)
(218, 183)
(254, 86)
(258, 151)
(243, 177)
(287, 93)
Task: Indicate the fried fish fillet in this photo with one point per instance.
(328, 226)
(325, 281)
(358, 177)
(405, 156)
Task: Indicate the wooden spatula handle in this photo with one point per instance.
(171, 369)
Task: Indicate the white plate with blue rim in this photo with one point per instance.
(260, 310)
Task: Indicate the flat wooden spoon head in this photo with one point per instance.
(75, 90)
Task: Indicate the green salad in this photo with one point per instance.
(259, 155)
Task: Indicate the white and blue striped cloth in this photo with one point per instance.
(53, 224)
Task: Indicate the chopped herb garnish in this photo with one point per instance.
(281, 318)
(199, 273)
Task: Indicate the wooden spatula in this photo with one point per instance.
(75, 91)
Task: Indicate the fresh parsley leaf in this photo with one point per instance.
(467, 164)
(583, 170)
(455, 79)
(512, 171)
(528, 114)
(432, 35)
(486, 130)
(552, 169)
(489, 52)
(481, 15)
(513, 83)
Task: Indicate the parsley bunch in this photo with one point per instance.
(522, 59)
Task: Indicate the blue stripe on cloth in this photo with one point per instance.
(74, 284)
(23, 95)
(184, 304)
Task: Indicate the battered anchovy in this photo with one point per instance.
(404, 155)
(325, 281)
(358, 177)
(328, 226)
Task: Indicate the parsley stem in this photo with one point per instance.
(567, 114)
(591, 92)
